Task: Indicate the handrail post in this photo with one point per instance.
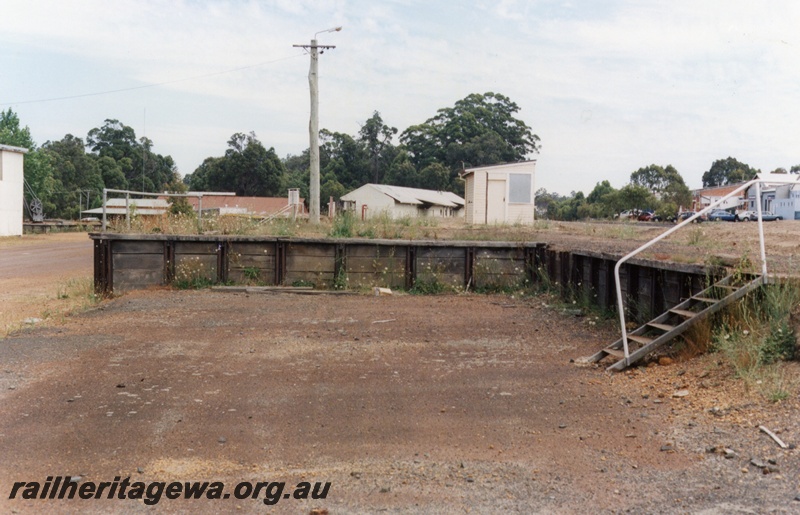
(621, 308)
(105, 201)
(761, 232)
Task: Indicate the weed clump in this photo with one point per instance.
(343, 225)
(757, 334)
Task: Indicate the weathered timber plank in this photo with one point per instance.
(253, 249)
(126, 280)
(295, 263)
(375, 251)
(440, 253)
(249, 260)
(138, 261)
(137, 247)
(311, 250)
(195, 247)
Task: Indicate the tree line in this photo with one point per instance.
(654, 188)
(69, 175)
(481, 129)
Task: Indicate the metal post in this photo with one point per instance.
(127, 211)
(761, 232)
(105, 200)
(200, 213)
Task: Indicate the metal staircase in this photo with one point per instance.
(676, 320)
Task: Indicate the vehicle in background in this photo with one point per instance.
(641, 215)
(686, 214)
(752, 216)
(722, 215)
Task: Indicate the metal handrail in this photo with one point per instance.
(745, 186)
(128, 193)
(285, 209)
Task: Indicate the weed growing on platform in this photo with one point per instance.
(192, 274)
(343, 225)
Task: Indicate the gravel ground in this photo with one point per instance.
(405, 404)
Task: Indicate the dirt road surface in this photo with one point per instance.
(405, 404)
(35, 269)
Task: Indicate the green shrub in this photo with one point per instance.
(427, 287)
(343, 225)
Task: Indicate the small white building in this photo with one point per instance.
(371, 200)
(12, 180)
(500, 193)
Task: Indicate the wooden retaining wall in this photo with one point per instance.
(129, 262)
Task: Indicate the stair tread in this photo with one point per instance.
(617, 353)
(663, 327)
(705, 299)
(640, 339)
(683, 312)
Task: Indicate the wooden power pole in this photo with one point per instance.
(313, 126)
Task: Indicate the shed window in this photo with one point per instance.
(519, 188)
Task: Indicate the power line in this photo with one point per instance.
(145, 86)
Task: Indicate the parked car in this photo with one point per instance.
(752, 216)
(627, 214)
(722, 215)
(686, 214)
(645, 216)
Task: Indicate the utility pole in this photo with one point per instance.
(313, 126)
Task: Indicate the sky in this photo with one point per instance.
(609, 86)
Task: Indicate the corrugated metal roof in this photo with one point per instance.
(519, 164)
(121, 211)
(414, 196)
(778, 178)
(141, 206)
(140, 203)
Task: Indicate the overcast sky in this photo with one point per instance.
(608, 85)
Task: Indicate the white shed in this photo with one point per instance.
(500, 193)
(397, 201)
(12, 179)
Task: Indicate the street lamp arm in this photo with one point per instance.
(335, 29)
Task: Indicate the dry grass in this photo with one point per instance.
(696, 340)
(69, 297)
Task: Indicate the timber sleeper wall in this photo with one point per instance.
(129, 262)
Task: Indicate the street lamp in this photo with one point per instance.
(313, 126)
